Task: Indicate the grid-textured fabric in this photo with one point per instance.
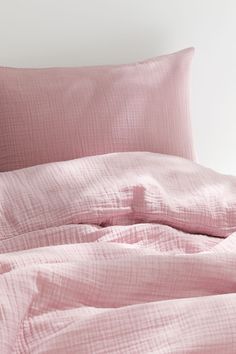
(107, 255)
(56, 114)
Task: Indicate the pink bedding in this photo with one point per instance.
(57, 114)
(118, 253)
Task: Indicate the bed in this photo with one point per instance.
(117, 244)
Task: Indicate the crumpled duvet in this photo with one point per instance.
(119, 253)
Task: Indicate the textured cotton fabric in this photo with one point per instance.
(119, 253)
(56, 114)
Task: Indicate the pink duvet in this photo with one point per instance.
(119, 253)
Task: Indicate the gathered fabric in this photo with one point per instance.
(118, 253)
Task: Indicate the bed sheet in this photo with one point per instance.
(119, 253)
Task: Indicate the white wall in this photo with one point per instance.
(85, 32)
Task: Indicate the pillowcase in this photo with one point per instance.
(54, 114)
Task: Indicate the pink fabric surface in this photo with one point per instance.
(55, 114)
(118, 253)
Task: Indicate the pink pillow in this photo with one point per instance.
(55, 114)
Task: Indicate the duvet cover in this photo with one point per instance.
(119, 253)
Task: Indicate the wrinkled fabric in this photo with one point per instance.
(118, 253)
